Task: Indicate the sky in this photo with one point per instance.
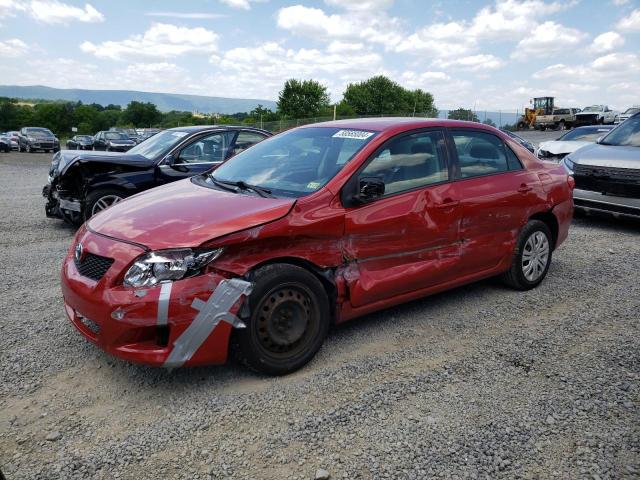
(468, 53)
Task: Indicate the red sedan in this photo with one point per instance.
(314, 226)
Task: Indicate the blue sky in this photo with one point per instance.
(483, 54)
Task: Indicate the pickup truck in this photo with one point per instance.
(560, 119)
(596, 115)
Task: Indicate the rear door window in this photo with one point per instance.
(481, 153)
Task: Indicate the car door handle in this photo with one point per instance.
(448, 203)
(524, 188)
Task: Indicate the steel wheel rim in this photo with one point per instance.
(535, 256)
(286, 321)
(105, 202)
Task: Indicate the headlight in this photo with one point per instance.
(163, 265)
(32, 139)
(568, 164)
(543, 154)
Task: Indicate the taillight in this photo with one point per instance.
(571, 181)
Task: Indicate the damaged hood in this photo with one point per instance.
(608, 156)
(65, 158)
(183, 214)
(557, 147)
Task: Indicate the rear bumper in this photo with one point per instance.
(588, 201)
(147, 325)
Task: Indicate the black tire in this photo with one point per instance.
(95, 196)
(515, 277)
(542, 128)
(287, 301)
(28, 149)
(561, 125)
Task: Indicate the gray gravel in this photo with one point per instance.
(479, 382)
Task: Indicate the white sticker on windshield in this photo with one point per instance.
(179, 134)
(355, 134)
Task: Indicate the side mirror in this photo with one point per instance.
(369, 188)
(170, 160)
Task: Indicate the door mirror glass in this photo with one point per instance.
(369, 188)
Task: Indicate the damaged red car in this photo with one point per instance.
(313, 227)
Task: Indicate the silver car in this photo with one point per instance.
(607, 173)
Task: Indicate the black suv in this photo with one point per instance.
(80, 184)
(112, 142)
(31, 139)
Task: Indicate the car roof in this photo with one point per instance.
(380, 124)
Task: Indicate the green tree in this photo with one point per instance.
(141, 114)
(489, 122)
(462, 114)
(380, 95)
(302, 99)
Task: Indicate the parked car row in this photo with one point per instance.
(563, 118)
(112, 140)
(81, 184)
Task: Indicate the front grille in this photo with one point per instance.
(93, 266)
(618, 174)
(587, 118)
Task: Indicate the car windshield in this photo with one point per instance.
(295, 163)
(626, 134)
(593, 108)
(115, 136)
(39, 132)
(158, 144)
(85, 138)
(631, 111)
(584, 134)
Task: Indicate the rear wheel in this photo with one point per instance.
(531, 258)
(561, 125)
(99, 200)
(288, 323)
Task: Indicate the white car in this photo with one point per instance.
(626, 114)
(595, 115)
(555, 150)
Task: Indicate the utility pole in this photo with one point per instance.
(334, 111)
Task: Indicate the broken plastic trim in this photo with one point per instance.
(210, 314)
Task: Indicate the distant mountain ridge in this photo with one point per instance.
(164, 101)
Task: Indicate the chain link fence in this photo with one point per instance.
(498, 118)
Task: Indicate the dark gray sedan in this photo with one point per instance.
(607, 173)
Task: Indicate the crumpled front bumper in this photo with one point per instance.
(186, 322)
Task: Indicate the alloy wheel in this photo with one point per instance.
(105, 202)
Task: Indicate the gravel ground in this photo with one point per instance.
(478, 382)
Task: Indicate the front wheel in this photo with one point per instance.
(28, 149)
(289, 320)
(531, 258)
(102, 199)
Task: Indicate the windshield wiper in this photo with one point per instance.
(222, 185)
(263, 192)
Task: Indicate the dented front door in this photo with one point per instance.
(408, 239)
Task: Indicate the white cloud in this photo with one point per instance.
(546, 40)
(161, 40)
(362, 5)
(620, 2)
(9, 8)
(606, 42)
(260, 71)
(53, 11)
(241, 4)
(630, 23)
(473, 63)
(439, 40)
(373, 26)
(187, 15)
(13, 48)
